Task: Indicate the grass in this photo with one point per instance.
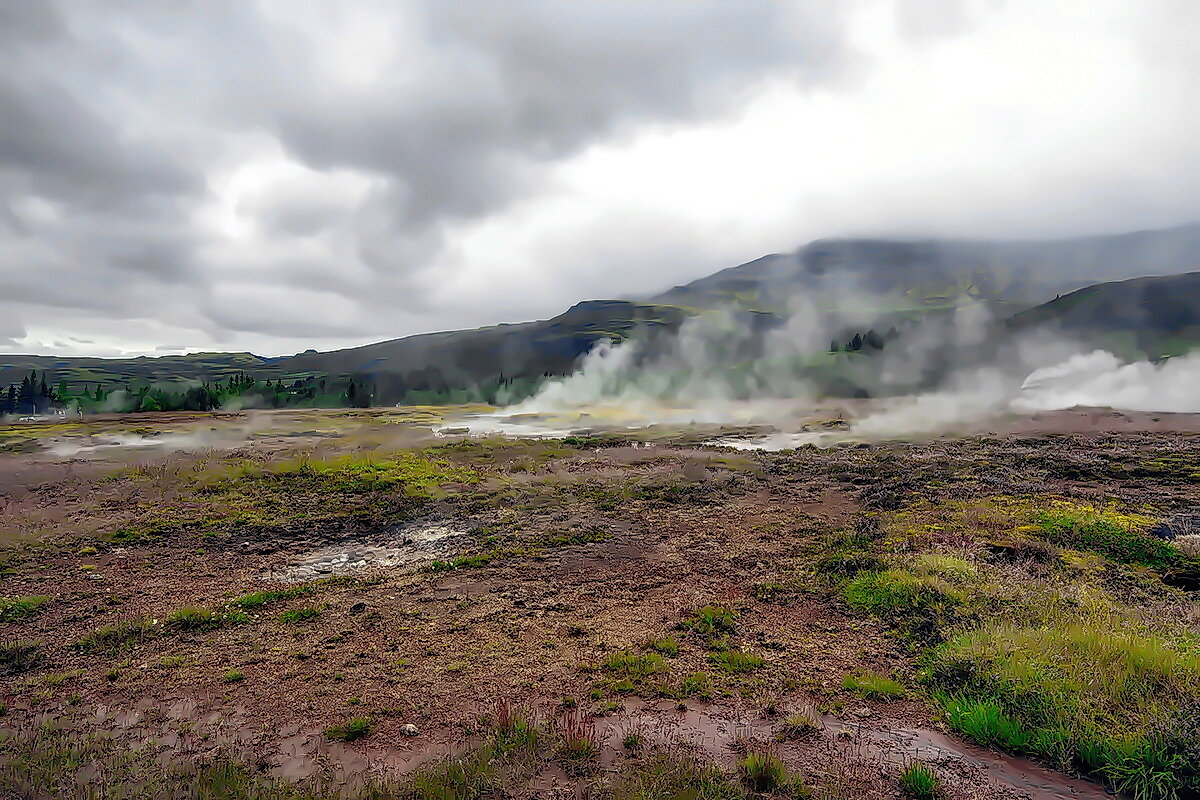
(299, 615)
(666, 646)
(19, 656)
(353, 730)
(897, 591)
(1120, 537)
(1094, 693)
(763, 772)
(233, 676)
(670, 774)
(635, 667)
(920, 782)
(798, 724)
(255, 600)
(871, 686)
(112, 639)
(736, 661)
(14, 608)
(711, 621)
(201, 619)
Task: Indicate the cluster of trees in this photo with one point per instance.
(35, 394)
(31, 396)
(863, 341)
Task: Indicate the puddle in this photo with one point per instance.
(417, 543)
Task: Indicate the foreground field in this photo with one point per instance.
(303, 604)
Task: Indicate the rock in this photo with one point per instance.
(358, 608)
(409, 730)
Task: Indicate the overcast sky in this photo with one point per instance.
(274, 175)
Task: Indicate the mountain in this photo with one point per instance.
(881, 283)
(1148, 316)
(933, 272)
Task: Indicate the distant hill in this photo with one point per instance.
(1149, 316)
(933, 272)
(901, 281)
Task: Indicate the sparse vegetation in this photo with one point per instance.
(299, 615)
(736, 661)
(871, 686)
(14, 608)
(19, 655)
(353, 730)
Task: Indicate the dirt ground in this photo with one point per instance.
(517, 583)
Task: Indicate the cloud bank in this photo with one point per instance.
(277, 175)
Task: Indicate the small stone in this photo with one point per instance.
(409, 729)
(358, 608)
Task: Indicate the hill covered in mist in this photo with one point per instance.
(877, 290)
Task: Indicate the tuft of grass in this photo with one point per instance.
(256, 600)
(674, 774)
(871, 686)
(736, 661)
(299, 615)
(897, 591)
(233, 676)
(634, 667)
(199, 619)
(19, 656)
(666, 646)
(696, 685)
(112, 639)
(14, 608)
(798, 724)
(353, 730)
(711, 621)
(986, 723)
(920, 782)
(579, 745)
(763, 772)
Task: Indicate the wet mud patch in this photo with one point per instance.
(411, 545)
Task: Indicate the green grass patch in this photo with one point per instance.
(1101, 695)
(1122, 538)
(299, 615)
(202, 619)
(666, 646)
(353, 730)
(736, 661)
(920, 782)
(897, 592)
(872, 686)
(14, 608)
(668, 775)
(112, 639)
(255, 600)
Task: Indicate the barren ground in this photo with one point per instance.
(414, 579)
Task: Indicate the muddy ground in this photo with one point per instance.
(513, 579)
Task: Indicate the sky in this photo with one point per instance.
(277, 175)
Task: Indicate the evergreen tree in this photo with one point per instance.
(834, 346)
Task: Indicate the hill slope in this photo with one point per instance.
(904, 280)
